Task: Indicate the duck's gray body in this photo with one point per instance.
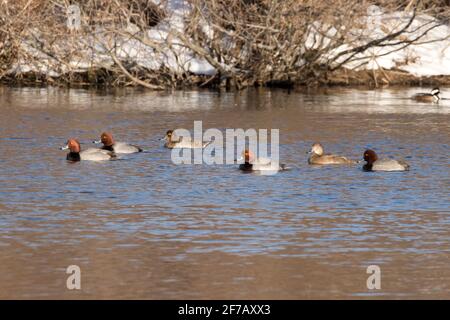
(329, 159)
(390, 165)
(122, 147)
(186, 144)
(95, 154)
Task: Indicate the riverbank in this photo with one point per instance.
(188, 44)
(341, 78)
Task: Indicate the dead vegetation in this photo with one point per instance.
(247, 42)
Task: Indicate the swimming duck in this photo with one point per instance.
(318, 157)
(118, 147)
(181, 142)
(251, 163)
(91, 154)
(433, 96)
(374, 164)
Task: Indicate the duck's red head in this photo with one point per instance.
(248, 156)
(73, 145)
(107, 139)
(370, 156)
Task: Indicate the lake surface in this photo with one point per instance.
(144, 228)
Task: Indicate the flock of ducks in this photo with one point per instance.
(369, 156)
(318, 157)
(110, 149)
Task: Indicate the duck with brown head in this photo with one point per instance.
(109, 144)
(91, 154)
(375, 164)
(252, 163)
(318, 157)
(172, 141)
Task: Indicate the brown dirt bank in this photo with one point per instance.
(342, 77)
(383, 77)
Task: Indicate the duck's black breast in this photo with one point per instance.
(367, 167)
(246, 167)
(169, 145)
(73, 156)
(109, 148)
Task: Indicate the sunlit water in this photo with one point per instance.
(143, 227)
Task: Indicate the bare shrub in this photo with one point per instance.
(246, 42)
(295, 41)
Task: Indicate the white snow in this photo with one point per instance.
(429, 56)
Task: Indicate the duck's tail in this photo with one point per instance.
(112, 154)
(404, 164)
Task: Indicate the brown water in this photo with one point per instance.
(144, 228)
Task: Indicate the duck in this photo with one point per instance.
(251, 163)
(91, 154)
(375, 164)
(117, 147)
(318, 157)
(433, 96)
(182, 142)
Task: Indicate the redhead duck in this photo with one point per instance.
(318, 157)
(91, 154)
(180, 142)
(251, 163)
(375, 164)
(433, 96)
(118, 147)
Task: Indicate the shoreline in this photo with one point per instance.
(373, 79)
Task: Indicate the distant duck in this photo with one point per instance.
(91, 154)
(182, 142)
(251, 163)
(374, 164)
(433, 96)
(118, 147)
(318, 157)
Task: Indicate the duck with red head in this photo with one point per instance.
(375, 164)
(91, 154)
(109, 144)
(248, 156)
(252, 163)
